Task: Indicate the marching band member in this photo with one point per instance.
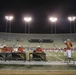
(4, 49)
(38, 49)
(20, 49)
(68, 43)
(56, 50)
(10, 49)
(65, 51)
(61, 50)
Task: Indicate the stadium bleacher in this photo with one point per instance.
(15, 39)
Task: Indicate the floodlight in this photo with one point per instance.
(71, 18)
(9, 18)
(53, 19)
(27, 19)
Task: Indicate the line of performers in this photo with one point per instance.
(20, 49)
(67, 50)
(10, 49)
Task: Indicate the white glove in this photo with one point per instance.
(64, 41)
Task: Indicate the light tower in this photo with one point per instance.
(8, 18)
(53, 20)
(27, 20)
(72, 19)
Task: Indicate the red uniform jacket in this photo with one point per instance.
(4, 49)
(20, 49)
(69, 45)
(10, 49)
(38, 50)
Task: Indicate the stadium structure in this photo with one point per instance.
(52, 45)
(53, 62)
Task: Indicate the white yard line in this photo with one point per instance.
(59, 58)
(50, 54)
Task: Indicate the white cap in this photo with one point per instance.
(4, 45)
(38, 46)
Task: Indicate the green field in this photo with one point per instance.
(39, 67)
(54, 56)
(50, 56)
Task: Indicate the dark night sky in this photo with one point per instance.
(39, 10)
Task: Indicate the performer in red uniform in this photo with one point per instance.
(20, 49)
(65, 51)
(51, 49)
(68, 43)
(4, 49)
(38, 50)
(56, 50)
(10, 49)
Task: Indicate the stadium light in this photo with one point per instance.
(8, 18)
(72, 19)
(53, 20)
(28, 20)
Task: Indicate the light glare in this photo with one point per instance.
(9, 18)
(53, 19)
(27, 19)
(71, 18)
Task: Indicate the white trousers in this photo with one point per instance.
(69, 53)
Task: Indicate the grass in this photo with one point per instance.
(39, 67)
(54, 56)
(37, 72)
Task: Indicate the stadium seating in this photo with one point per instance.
(15, 39)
